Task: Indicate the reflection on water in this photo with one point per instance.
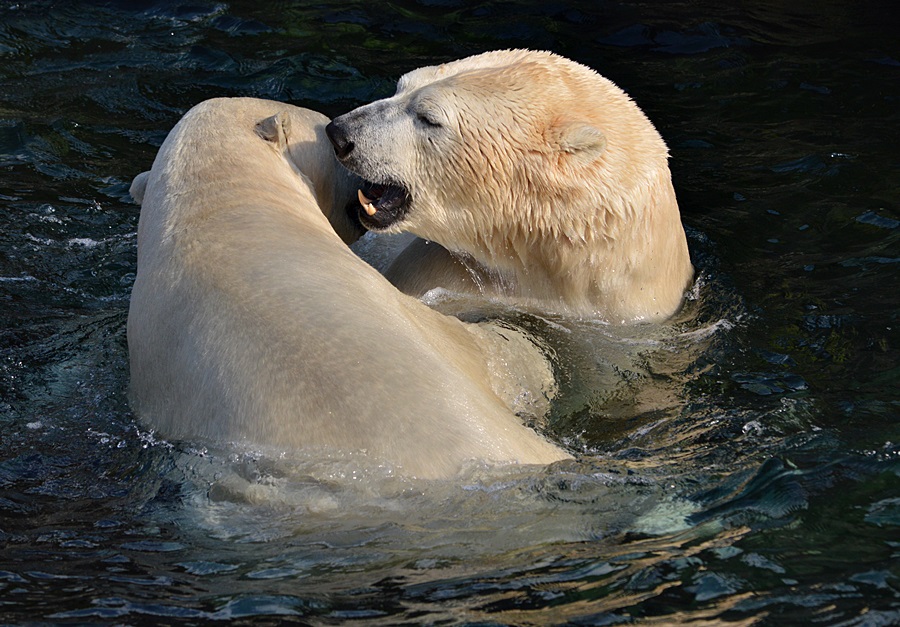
(739, 464)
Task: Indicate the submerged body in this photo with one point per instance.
(252, 322)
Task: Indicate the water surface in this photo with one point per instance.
(740, 465)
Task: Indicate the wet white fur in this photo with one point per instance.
(252, 322)
(544, 180)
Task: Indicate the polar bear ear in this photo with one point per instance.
(582, 140)
(138, 187)
(274, 129)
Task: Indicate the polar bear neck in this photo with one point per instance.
(626, 260)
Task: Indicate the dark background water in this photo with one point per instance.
(783, 126)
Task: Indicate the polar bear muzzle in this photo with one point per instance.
(380, 204)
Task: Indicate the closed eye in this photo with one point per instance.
(427, 121)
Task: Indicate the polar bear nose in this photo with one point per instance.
(338, 137)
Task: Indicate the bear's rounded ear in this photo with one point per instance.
(138, 187)
(582, 140)
(274, 129)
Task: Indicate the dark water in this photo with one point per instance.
(743, 465)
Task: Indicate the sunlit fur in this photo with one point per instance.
(252, 322)
(542, 172)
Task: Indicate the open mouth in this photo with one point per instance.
(382, 205)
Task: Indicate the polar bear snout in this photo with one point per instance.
(383, 201)
(337, 135)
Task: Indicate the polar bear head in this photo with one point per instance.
(513, 129)
(533, 165)
(298, 134)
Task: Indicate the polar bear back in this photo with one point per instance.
(252, 322)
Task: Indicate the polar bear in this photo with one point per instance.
(540, 179)
(252, 322)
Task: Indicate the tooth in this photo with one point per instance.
(362, 198)
(366, 203)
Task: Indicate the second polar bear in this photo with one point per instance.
(543, 180)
